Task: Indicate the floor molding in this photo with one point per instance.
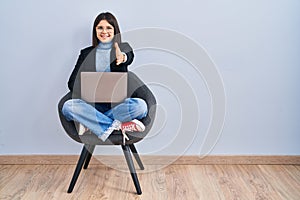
(153, 160)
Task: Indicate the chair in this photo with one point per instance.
(136, 88)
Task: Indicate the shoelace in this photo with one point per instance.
(128, 127)
(124, 136)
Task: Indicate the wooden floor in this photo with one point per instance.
(190, 182)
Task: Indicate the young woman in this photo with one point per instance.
(107, 54)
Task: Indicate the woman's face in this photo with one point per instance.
(105, 31)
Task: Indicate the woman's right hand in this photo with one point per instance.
(119, 55)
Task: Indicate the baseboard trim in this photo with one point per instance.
(153, 160)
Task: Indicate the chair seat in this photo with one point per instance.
(136, 89)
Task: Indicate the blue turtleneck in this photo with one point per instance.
(103, 57)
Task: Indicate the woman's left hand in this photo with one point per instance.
(119, 54)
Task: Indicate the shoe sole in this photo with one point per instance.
(140, 126)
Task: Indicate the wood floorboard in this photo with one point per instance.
(207, 182)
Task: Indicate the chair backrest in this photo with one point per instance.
(136, 88)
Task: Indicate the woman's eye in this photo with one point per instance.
(101, 28)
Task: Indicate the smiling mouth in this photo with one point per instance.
(105, 36)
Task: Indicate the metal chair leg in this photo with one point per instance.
(90, 149)
(80, 163)
(130, 164)
(136, 156)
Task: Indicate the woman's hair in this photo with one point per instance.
(110, 18)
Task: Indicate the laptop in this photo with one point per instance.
(103, 87)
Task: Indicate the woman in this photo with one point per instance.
(108, 54)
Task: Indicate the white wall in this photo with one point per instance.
(254, 44)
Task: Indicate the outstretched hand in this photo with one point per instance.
(119, 54)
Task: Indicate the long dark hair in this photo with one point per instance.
(111, 19)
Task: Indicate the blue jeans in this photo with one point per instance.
(103, 124)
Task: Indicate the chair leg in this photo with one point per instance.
(130, 164)
(136, 156)
(89, 155)
(80, 163)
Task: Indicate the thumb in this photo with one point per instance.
(117, 46)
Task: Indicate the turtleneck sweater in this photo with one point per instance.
(103, 57)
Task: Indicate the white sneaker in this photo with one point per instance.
(82, 129)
